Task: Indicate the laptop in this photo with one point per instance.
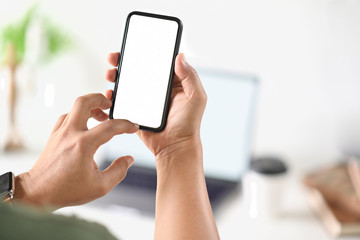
(226, 132)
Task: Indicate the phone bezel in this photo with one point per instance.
(172, 72)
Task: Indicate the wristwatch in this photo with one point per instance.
(7, 186)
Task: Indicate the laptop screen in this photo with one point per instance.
(225, 131)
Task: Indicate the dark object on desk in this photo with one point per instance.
(138, 190)
(332, 195)
(268, 165)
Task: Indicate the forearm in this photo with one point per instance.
(183, 210)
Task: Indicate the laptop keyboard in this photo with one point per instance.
(140, 177)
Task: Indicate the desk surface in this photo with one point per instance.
(296, 220)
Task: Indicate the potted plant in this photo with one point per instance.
(12, 52)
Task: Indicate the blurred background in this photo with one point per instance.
(304, 53)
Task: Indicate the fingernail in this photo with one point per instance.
(136, 125)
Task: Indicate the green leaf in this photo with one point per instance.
(15, 34)
(57, 40)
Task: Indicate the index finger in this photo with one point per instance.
(113, 58)
(103, 132)
(81, 111)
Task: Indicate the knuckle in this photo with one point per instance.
(110, 124)
(204, 97)
(102, 190)
(201, 97)
(118, 126)
(122, 174)
(62, 116)
(193, 72)
(59, 122)
(98, 95)
(81, 101)
(65, 133)
(96, 113)
(101, 98)
(81, 143)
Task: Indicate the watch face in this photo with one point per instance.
(6, 183)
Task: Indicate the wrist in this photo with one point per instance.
(183, 156)
(24, 189)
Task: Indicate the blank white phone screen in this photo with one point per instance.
(145, 70)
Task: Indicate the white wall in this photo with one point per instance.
(306, 53)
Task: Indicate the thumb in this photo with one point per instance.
(117, 171)
(183, 69)
(188, 77)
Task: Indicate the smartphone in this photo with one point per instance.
(146, 70)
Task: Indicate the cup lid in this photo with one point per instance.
(268, 165)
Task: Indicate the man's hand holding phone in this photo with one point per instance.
(188, 101)
(183, 209)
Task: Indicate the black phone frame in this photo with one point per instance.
(172, 70)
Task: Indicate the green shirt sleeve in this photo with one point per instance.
(22, 222)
